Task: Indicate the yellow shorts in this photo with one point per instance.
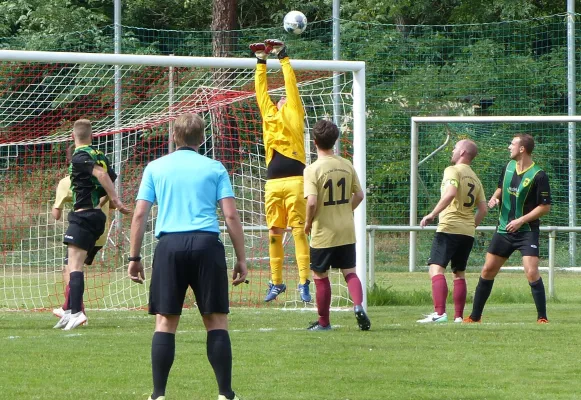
(285, 203)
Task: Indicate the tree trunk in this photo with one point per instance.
(224, 16)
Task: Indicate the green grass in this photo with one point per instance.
(508, 356)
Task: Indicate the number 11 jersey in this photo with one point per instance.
(458, 217)
(333, 180)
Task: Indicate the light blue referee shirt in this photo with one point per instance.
(187, 187)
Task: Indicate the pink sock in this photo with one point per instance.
(355, 289)
(323, 295)
(459, 297)
(439, 293)
(67, 293)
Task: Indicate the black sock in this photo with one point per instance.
(538, 291)
(163, 350)
(219, 352)
(76, 287)
(481, 295)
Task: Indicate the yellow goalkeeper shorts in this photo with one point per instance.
(285, 203)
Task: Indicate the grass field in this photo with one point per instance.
(508, 356)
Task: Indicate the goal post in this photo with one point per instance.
(508, 133)
(42, 93)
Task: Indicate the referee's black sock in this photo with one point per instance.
(481, 295)
(538, 291)
(219, 352)
(163, 350)
(76, 287)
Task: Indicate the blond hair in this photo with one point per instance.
(82, 130)
(188, 130)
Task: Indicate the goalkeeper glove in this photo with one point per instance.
(261, 52)
(278, 48)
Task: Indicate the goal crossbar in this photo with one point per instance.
(173, 61)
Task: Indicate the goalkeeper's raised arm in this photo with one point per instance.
(283, 132)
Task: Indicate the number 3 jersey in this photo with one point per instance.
(85, 187)
(458, 217)
(333, 180)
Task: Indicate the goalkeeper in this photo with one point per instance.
(283, 133)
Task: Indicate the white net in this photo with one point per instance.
(38, 104)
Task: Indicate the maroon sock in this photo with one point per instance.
(439, 293)
(459, 297)
(323, 287)
(67, 294)
(355, 289)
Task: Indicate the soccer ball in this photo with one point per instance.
(295, 22)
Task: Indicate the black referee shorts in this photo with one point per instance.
(450, 247)
(504, 244)
(85, 228)
(189, 259)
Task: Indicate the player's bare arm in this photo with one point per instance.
(495, 199)
(444, 202)
(481, 211)
(536, 213)
(356, 199)
(311, 212)
(56, 213)
(105, 181)
(138, 225)
(234, 227)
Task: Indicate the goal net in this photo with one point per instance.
(42, 94)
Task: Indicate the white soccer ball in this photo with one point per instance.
(295, 22)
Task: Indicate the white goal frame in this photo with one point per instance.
(415, 121)
(357, 68)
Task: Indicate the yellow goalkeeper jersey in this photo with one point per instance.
(283, 130)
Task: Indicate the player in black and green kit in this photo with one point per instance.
(92, 185)
(524, 196)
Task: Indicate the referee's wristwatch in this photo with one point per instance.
(136, 258)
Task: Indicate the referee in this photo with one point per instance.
(187, 188)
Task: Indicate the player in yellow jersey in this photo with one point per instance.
(283, 131)
(333, 191)
(461, 192)
(64, 196)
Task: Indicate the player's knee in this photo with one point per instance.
(276, 231)
(299, 233)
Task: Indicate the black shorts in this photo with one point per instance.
(189, 259)
(342, 257)
(85, 227)
(504, 244)
(452, 247)
(90, 255)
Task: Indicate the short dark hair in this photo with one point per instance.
(326, 134)
(527, 142)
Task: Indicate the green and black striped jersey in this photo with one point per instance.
(85, 187)
(522, 191)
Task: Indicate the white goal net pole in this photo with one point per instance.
(357, 68)
(415, 121)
